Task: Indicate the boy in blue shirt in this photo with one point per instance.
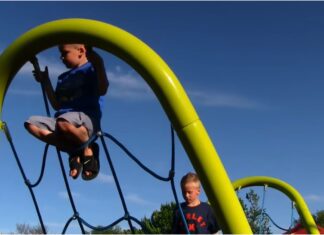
(199, 215)
(77, 100)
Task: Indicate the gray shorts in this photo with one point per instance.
(76, 118)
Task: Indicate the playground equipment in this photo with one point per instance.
(164, 84)
(285, 188)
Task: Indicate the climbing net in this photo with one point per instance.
(102, 136)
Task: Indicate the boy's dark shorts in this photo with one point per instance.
(76, 118)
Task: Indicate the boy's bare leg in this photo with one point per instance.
(63, 140)
(68, 137)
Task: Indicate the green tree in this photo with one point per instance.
(116, 230)
(259, 223)
(160, 221)
(112, 230)
(319, 218)
(28, 229)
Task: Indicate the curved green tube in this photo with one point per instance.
(288, 190)
(166, 87)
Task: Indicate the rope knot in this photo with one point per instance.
(75, 216)
(27, 182)
(171, 174)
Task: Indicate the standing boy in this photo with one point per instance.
(77, 100)
(199, 215)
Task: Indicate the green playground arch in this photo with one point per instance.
(286, 189)
(164, 84)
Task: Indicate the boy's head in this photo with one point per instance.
(73, 55)
(190, 186)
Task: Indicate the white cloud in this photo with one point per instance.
(314, 198)
(26, 69)
(131, 87)
(107, 179)
(135, 198)
(55, 68)
(128, 86)
(219, 99)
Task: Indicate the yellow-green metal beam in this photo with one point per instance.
(166, 87)
(288, 190)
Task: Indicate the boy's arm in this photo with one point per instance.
(43, 78)
(99, 66)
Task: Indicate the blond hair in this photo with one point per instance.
(190, 177)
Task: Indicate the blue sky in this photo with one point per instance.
(253, 70)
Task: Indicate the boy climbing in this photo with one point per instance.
(77, 100)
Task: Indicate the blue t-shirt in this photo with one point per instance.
(200, 220)
(77, 90)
